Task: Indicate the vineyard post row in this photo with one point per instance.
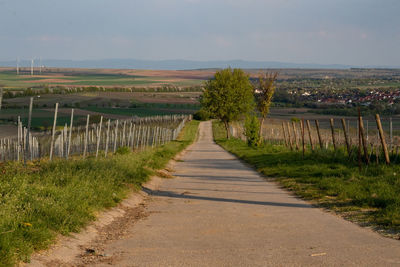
(300, 136)
(134, 133)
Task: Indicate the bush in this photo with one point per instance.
(251, 128)
(201, 115)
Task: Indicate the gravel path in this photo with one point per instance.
(219, 212)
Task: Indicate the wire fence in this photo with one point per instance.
(97, 139)
(373, 140)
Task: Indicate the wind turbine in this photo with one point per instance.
(32, 62)
(40, 65)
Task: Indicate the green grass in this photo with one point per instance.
(40, 123)
(40, 118)
(370, 196)
(49, 198)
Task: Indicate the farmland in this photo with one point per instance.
(125, 95)
(85, 77)
(118, 94)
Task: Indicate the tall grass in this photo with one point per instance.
(45, 199)
(329, 178)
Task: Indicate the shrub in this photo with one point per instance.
(201, 115)
(251, 128)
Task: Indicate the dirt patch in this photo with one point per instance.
(85, 247)
(94, 251)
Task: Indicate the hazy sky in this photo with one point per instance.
(358, 32)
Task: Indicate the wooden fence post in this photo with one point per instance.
(86, 136)
(309, 135)
(123, 134)
(116, 137)
(290, 138)
(319, 134)
(364, 141)
(295, 135)
(382, 136)
(138, 136)
(333, 133)
(71, 125)
(133, 137)
(27, 147)
(53, 132)
(129, 135)
(284, 134)
(107, 138)
(99, 137)
(65, 140)
(346, 138)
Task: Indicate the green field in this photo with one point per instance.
(41, 119)
(9, 80)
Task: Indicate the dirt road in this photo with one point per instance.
(218, 212)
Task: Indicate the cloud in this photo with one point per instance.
(286, 30)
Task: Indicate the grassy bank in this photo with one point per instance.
(48, 198)
(370, 197)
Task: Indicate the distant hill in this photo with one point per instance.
(175, 64)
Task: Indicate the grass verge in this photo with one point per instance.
(369, 197)
(45, 199)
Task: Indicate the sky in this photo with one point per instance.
(352, 32)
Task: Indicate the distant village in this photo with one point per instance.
(347, 98)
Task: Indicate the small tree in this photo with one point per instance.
(251, 128)
(263, 94)
(228, 96)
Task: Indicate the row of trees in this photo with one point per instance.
(45, 89)
(231, 96)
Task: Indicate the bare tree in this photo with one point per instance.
(263, 93)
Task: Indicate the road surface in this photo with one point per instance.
(219, 212)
